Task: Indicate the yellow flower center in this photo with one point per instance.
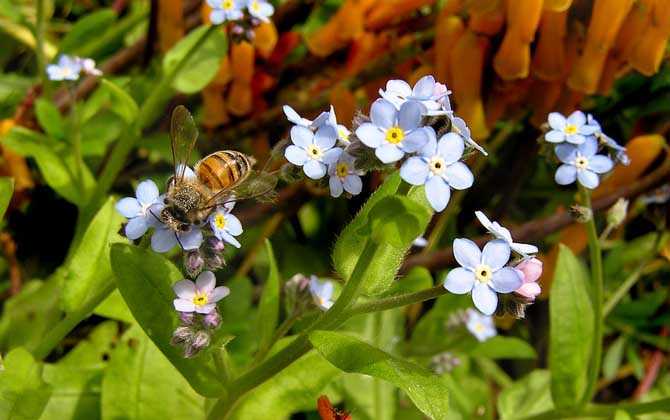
(483, 273)
(66, 71)
(314, 152)
(479, 327)
(581, 162)
(255, 6)
(200, 299)
(220, 221)
(437, 165)
(570, 129)
(343, 135)
(394, 135)
(227, 4)
(342, 169)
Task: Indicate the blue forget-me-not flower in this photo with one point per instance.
(344, 176)
(136, 209)
(432, 95)
(225, 10)
(392, 132)
(581, 163)
(322, 293)
(438, 167)
(459, 126)
(607, 141)
(480, 325)
(482, 272)
(225, 225)
(199, 296)
(260, 9)
(573, 130)
(313, 151)
(67, 68)
(503, 233)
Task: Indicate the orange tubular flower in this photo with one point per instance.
(512, 61)
(632, 29)
(646, 56)
(467, 65)
(387, 11)
(606, 19)
(242, 66)
(266, 39)
(549, 58)
(448, 30)
(345, 26)
(489, 20)
(170, 23)
(557, 5)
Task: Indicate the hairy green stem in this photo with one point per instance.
(283, 328)
(398, 300)
(596, 298)
(300, 345)
(76, 144)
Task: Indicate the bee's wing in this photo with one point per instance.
(258, 185)
(183, 133)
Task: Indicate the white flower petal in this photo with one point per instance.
(450, 147)
(190, 240)
(205, 282)
(147, 192)
(437, 193)
(600, 164)
(128, 207)
(314, 169)
(383, 113)
(336, 187)
(353, 184)
(185, 289)
(485, 299)
(370, 135)
(496, 253)
(389, 153)
(566, 153)
(301, 136)
(554, 136)
(163, 240)
(459, 176)
(182, 305)
(296, 155)
(205, 309)
(506, 280)
(325, 137)
(136, 227)
(219, 293)
(577, 119)
(414, 171)
(459, 281)
(557, 121)
(331, 156)
(467, 253)
(233, 225)
(415, 141)
(588, 179)
(565, 174)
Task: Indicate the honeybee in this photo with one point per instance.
(217, 179)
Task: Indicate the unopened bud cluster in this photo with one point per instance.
(195, 331)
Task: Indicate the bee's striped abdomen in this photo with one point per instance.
(223, 169)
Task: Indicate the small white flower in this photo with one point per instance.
(502, 233)
(480, 325)
(322, 293)
(225, 225)
(201, 296)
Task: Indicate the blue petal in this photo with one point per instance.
(409, 116)
(577, 119)
(450, 147)
(190, 240)
(496, 253)
(459, 281)
(458, 176)
(217, 16)
(437, 193)
(506, 280)
(600, 164)
(557, 121)
(325, 137)
(147, 192)
(565, 152)
(424, 87)
(588, 179)
(296, 155)
(575, 138)
(353, 184)
(415, 141)
(565, 174)
(128, 207)
(383, 113)
(414, 171)
(136, 227)
(226, 237)
(370, 135)
(589, 148)
(301, 136)
(314, 169)
(336, 187)
(163, 240)
(233, 225)
(430, 149)
(389, 153)
(485, 299)
(331, 156)
(554, 136)
(467, 253)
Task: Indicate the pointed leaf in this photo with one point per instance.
(23, 394)
(268, 309)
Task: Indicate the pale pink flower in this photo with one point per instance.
(530, 271)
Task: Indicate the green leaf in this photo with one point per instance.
(145, 280)
(30, 314)
(53, 168)
(613, 357)
(417, 279)
(90, 268)
(114, 307)
(500, 347)
(120, 101)
(526, 397)
(621, 415)
(140, 383)
(50, 118)
(396, 220)
(427, 390)
(203, 64)
(295, 388)
(384, 266)
(571, 329)
(86, 29)
(6, 191)
(268, 308)
(23, 394)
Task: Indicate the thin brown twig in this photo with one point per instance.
(538, 229)
(651, 373)
(9, 248)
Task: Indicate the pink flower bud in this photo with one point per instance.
(530, 271)
(212, 320)
(438, 90)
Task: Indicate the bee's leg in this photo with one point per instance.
(178, 241)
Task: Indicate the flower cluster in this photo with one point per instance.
(246, 15)
(71, 68)
(412, 123)
(479, 325)
(578, 139)
(303, 294)
(485, 273)
(444, 362)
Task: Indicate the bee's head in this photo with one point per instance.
(174, 219)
